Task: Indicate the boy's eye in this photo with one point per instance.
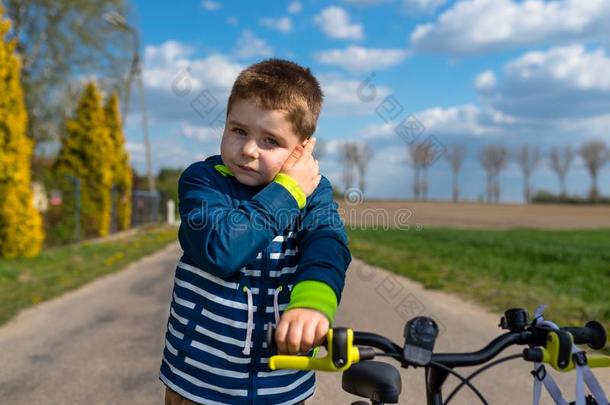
(272, 141)
(239, 131)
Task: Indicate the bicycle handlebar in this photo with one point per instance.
(592, 334)
(342, 351)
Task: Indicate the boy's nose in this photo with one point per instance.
(250, 149)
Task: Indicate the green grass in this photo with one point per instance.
(500, 269)
(24, 282)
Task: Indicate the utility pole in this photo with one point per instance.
(119, 21)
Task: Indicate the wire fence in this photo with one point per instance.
(145, 207)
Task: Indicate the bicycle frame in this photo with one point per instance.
(435, 378)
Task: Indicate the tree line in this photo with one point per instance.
(355, 156)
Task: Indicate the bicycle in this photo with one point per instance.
(352, 352)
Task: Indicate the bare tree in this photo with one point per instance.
(560, 162)
(595, 155)
(455, 155)
(363, 156)
(347, 154)
(422, 156)
(414, 161)
(493, 159)
(528, 159)
(60, 42)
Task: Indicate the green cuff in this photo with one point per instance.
(293, 188)
(315, 295)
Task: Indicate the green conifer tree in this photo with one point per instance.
(86, 155)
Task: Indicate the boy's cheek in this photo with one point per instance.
(279, 163)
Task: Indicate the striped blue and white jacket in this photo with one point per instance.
(248, 253)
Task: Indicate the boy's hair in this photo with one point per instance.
(277, 84)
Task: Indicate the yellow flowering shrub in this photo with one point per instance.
(121, 170)
(21, 230)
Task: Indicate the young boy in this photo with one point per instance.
(262, 242)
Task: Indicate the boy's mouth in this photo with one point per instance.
(246, 169)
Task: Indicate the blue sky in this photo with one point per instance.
(474, 72)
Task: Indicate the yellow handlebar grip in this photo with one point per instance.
(551, 351)
(598, 360)
(593, 361)
(290, 362)
(318, 363)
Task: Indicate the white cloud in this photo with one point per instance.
(163, 64)
(166, 53)
(485, 81)
(592, 127)
(249, 46)
(460, 120)
(571, 65)
(343, 96)
(360, 59)
(180, 85)
(231, 20)
(211, 5)
(200, 133)
(423, 6)
(376, 131)
(562, 82)
(335, 23)
(475, 26)
(555, 97)
(283, 24)
(464, 119)
(295, 7)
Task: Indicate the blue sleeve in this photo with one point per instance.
(220, 238)
(323, 244)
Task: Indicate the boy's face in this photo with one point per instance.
(256, 139)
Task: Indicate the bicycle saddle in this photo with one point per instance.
(375, 380)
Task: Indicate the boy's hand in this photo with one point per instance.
(303, 168)
(299, 330)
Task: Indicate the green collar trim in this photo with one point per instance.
(224, 170)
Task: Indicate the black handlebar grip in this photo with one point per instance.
(366, 353)
(592, 334)
(533, 354)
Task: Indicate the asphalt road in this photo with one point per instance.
(102, 344)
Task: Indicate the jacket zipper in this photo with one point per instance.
(258, 325)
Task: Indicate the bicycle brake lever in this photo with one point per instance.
(270, 337)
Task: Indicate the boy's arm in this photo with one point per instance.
(325, 256)
(220, 238)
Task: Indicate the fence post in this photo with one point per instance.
(171, 212)
(75, 181)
